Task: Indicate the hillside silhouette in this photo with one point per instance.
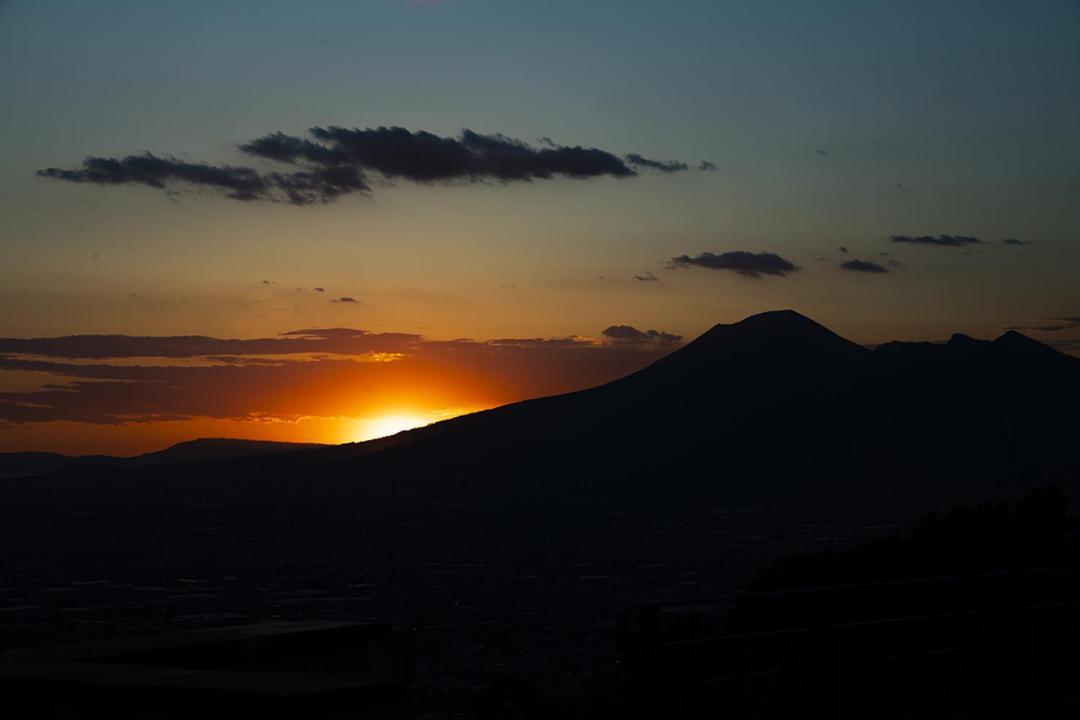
(970, 613)
(774, 404)
(39, 463)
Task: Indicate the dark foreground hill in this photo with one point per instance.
(509, 541)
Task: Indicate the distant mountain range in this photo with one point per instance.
(40, 463)
(774, 405)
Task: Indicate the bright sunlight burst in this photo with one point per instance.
(371, 428)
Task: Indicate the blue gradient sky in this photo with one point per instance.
(971, 105)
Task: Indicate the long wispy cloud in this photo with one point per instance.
(238, 183)
(327, 372)
(748, 264)
(1053, 324)
(333, 161)
(339, 341)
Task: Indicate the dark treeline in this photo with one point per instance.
(1034, 532)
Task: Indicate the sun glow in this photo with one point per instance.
(395, 421)
(377, 427)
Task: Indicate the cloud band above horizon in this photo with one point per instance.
(335, 161)
(328, 372)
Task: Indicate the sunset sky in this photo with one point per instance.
(371, 214)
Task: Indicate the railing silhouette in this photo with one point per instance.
(1001, 644)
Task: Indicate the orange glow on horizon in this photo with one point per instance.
(129, 406)
(396, 421)
(137, 438)
(386, 425)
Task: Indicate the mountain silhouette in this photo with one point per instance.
(39, 463)
(767, 341)
(774, 405)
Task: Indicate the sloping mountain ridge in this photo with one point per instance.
(781, 402)
(775, 405)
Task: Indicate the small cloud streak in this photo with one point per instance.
(748, 264)
(937, 240)
(1053, 324)
(863, 266)
(658, 165)
(631, 335)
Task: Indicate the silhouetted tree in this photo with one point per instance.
(1035, 532)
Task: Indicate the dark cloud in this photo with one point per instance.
(290, 149)
(1053, 324)
(659, 165)
(238, 183)
(706, 166)
(399, 154)
(319, 185)
(344, 299)
(558, 342)
(630, 334)
(647, 277)
(235, 182)
(315, 340)
(1015, 241)
(747, 264)
(334, 161)
(864, 266)
(938, 240)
